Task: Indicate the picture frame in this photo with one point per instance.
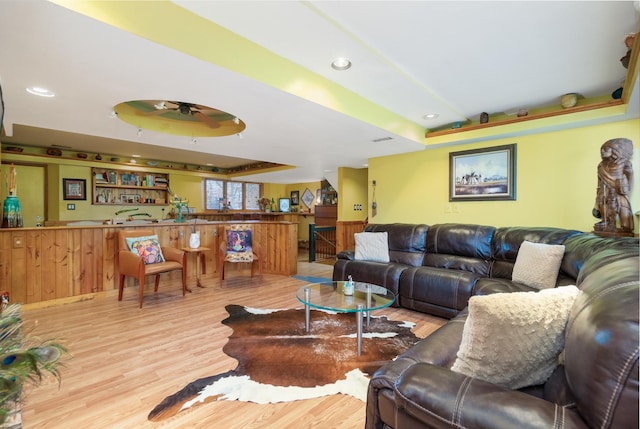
(74, 189)
(129, 199)
(307, 197)
(295, 198)
(487, 174)
(284, 204)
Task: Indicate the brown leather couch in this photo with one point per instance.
(597, 387)
(436, 269)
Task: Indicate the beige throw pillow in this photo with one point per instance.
(537, 264)
(514, 339)
(372, 246)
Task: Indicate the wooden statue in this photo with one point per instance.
(615, 179)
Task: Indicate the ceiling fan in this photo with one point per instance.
(194, 110)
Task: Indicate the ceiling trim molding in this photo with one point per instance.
(155, 21)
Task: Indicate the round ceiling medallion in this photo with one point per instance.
(179, 118)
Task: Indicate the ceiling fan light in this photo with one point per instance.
(341, 63)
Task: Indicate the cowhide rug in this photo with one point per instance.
(278, 361)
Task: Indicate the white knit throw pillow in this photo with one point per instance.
(537, 264)
(372, 246)
(514, 339)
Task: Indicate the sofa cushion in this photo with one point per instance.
(386, 274)
(439, 291)
(537, 264)
(506, 243)
(406, 241)
(514, 339)
(147, 247)
(459, 247)
(372, 246)
(601, 345)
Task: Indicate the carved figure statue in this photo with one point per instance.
(615, 179)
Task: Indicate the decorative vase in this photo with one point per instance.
(194, 240)
(11, 213)
(569, 100)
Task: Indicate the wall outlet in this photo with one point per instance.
(71, 206)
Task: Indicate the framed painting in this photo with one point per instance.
(483, 174)
(283, 204)
(74, 189)
(295, 198)
(307, 197)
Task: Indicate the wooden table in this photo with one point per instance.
(199, 256)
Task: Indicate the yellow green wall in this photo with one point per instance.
(29, 191)
(556, 181)
(352, 189)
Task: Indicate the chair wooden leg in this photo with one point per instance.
(155, 289)
(222, 270)
(141, 287)
(184, 281)
(121, 287)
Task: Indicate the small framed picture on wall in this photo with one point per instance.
(295, 198)
(74, 189)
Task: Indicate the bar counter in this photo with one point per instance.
(58, 262)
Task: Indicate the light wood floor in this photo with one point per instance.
(126, 360)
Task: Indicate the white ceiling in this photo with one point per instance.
(410, 58)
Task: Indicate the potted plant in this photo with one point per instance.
(263, 203)
(23, 360)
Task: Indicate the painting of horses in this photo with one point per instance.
(483, 174)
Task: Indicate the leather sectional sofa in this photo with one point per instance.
(436, 269)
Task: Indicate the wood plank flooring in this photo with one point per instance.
(125, 360)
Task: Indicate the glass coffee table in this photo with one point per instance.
(330, 296)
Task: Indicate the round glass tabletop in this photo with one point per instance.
(330, 296)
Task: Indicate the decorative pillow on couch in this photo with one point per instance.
(372, 246)
(537, 264)
(148, 248)
(514, 339)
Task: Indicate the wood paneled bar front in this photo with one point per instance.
(42, 264)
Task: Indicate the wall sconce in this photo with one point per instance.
(374, 205)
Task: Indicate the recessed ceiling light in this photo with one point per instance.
(42, 92)
(135, 155)
(430, 116)
(341, 64)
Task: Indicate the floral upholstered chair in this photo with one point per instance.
(140, 255)
(238, 247)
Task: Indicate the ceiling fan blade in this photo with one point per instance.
(205, 119)
(157, 112)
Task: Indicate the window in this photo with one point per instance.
(237, 195)
(234, 195)
(214, 194)
(251, 196)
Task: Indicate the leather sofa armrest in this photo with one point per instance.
(347, 254)
(441, 398)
